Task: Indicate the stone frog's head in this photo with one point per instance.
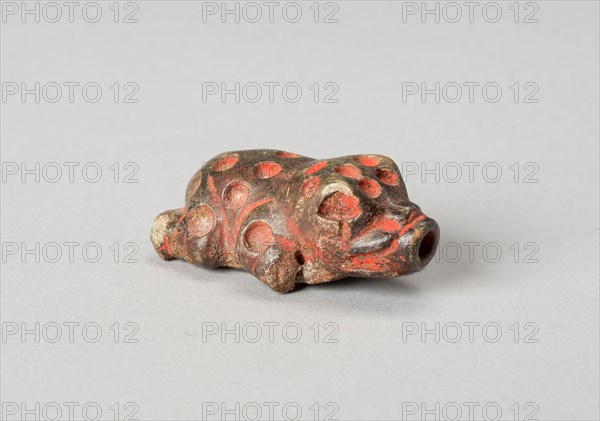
(362, 220)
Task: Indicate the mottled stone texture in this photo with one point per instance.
(290, 219)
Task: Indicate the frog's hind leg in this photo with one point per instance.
(188, 235)
(161, 234)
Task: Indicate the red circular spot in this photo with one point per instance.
(283, 154)
(387, 176)
(258, 236)
(235, 195)
(349, 170)
(267, 169)
(318, 166)
(226, 163)
(310, 186)
(200, 221)
(339, 207)
(368, 160)
(370, 187)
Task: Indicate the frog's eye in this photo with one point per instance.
(339, 206)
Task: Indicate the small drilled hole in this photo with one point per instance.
(427, 245)
(299, 257)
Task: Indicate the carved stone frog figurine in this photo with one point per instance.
(289, 219)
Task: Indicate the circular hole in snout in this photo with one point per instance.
(426, 248)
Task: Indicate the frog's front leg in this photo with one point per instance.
(271, 258)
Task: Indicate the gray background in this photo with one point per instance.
(371, 371)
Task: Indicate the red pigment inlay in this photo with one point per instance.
(349, 170)
(318, 166)
(386, 224)
(370, 187)
(248, 209)
(258, 236)
(368, 262)
(182, 217)
(310, 186)
(412, 221)
(235, 195)
(368, 160)
(166, 245)
(267, 169)
(387, 176)
(226, 163)
(283, 154)
(200, 221)
(339, 207)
